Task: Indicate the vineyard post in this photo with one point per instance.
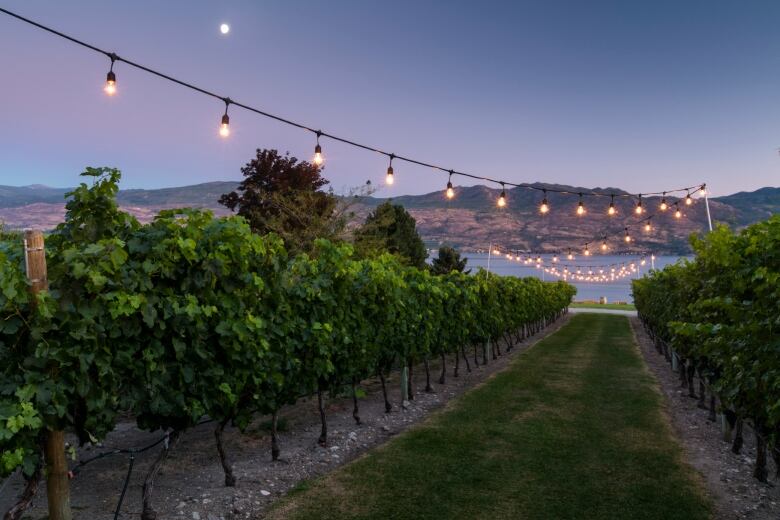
(404, 386)
(57, 491)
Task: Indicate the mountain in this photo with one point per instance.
(470, 221)
(753, 205)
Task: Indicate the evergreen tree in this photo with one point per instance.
(390, 228)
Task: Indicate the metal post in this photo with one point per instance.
(707, 205)
(490, 252)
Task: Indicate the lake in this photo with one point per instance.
(614, 291)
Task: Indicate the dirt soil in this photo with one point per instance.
(728, 476)
(191, 483)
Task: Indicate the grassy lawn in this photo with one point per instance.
(613, 306)
(572, 429)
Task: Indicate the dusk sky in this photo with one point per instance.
(638, 95)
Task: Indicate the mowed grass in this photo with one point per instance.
(572, 429)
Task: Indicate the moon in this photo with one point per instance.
(224, 28)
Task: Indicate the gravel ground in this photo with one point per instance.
(728, 477)
(190, 485)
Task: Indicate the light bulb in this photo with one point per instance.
(450, 191)
(544, 208)
(703, 190)
(389, 178)
(639, 209)
(628, 238)
(664, 206)
(604, 246)
(648, 227)
(224, 127)
(318, 158)
(678, 213)
(110, 87)
(611, 211)
(502, 198)
(570, 256)
(586, 252)
(580, 209)
(688, 200)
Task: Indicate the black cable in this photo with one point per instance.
(124, 487)
(227, 100)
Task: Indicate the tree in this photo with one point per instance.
(449, 260)
(390, 228)
(283, 196)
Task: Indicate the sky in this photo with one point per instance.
(644, 96)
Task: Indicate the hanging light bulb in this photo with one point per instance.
(318, 158)
(627, 237)
(570, 256)
(389, 178)
(580, 207)
(555, 258)
(450, 191)
(611, 211)
(648, 225)
(688, 199)
(110, 87)
(664, 206)
(677, 212)
(703, 190)
(587, 251)
(604, 246)
(544, 207)
(639, 209)
(224, 126)
(502, 197)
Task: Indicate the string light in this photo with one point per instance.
(555, 259)
(677, 212)
(638, 210)
(703, 190)
(110, 87)
(604, 246)
(450, 191)
(570, 256)
(544, 207)
(587, 251)
(224, 127)
(664, 206)
(580, 207)
(627, 237)
(389, 178)
(648, 225)
(318, 158)
(502, 197)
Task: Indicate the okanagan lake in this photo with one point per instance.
(614, 291)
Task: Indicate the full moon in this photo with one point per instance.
(224, 28)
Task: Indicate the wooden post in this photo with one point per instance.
(57, 486)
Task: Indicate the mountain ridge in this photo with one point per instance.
(468, 221)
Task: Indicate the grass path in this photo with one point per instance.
(572, 429)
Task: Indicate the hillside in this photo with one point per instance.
(470, 221)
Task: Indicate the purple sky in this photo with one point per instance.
(640, 95)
